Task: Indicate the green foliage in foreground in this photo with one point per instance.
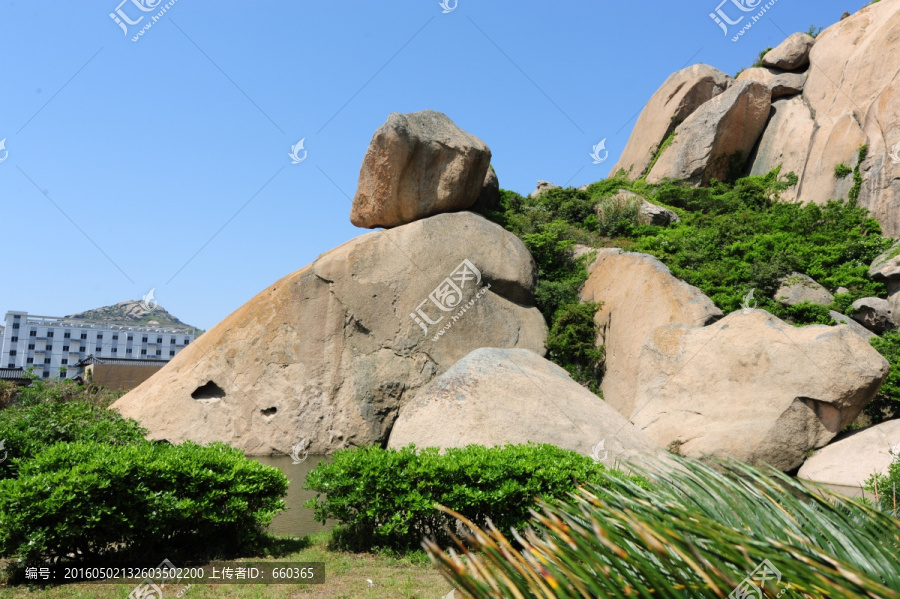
(886, 487)
(699, 532)
(386, 497)
(93, 499)
(27, 431)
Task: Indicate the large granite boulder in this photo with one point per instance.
(753, 387)
(782, 83)
(791, 54)
(797, 288)
(790, 120)
(512, 396)
(678, 97)
(543, 186)
(717, 138)
(639, 294)
(873, 313)
(331, 352)
(886, 268)
(418, 165)
(853, 457)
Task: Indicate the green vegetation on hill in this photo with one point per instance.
(132, 313)
(732, 238)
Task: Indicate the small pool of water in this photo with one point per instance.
(296, 520)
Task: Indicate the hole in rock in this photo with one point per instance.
(208, 391)
(269, 411)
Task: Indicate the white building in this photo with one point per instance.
(53, 346)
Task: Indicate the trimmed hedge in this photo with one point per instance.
(385, 497)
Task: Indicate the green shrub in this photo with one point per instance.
(884, 489)
(572, 341)
(841, 171)
(30, 430)
(885, 406)
(386, 498)
(47, 391)
(618, 215)
(89, 499)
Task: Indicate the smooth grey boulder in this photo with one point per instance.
(511, 396)
(797, 288)
(418, 165)
(543, 186)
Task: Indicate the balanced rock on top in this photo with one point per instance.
(418, 165)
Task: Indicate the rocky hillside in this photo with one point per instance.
(132, 312)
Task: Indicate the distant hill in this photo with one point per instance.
(133, 313)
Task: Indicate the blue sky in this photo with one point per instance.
(163, 163)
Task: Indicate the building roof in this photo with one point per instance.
(120, 361)
(13, 374)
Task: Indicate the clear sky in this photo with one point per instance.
(164, 163)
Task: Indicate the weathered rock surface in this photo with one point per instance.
(543, 186)
(753, 387)
(717, 136)
(331, 352)
(681, 94)
(791, 54)
(418, 165)
(790, 120)
(852, 324)
(797, 288)
(873, 313)
(651, 214)
(502, 396)
(639, 295)
(853, 457)
(782, 83)
(489, 198)
(886, 268)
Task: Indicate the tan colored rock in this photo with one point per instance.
(722, 130)
(797, 288)
(331, 352)
(639, 295)
(782, 83)
(852, 458)
(543, 186)
(854, 326)
(791, 54)
(511, 396)
(753, 387)
(790, 120)
(489, 198)
(678, 97)
(418, 165)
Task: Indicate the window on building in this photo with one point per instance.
(159, 339)
(115, 337)
(49, 333)
(65, 361)
(65, 348)
(32, 334)
(130, 337)
(17, 316)
(143, 352)
(31, 346)
(14, 339)
(172, 341)
(159, 352)
(144, 340)
(67, 335)
(99, 336)
(62, 374)
(187, 341)
(171, 352)
(46, 360)
(49, 348)
(29, 360)
(12, 352)
(115, 350)
(84, 335)
(46, 374)
(11, 365)
(15, 325)
(128, 351)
